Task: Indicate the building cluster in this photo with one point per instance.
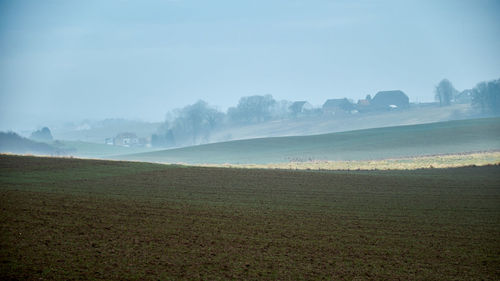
(384, 100)
(128, 140)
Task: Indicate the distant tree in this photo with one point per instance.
(164, 139)
(213, 118)
(486, 96)
(192, 117)
(444, 92)
(43, 134)
(281, 109)
(368, 97)
(190, 125)
(200, 119)
(252, 109)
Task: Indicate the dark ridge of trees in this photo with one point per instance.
(486, 96)
(445, 92)
(11, 142)
(43, 134)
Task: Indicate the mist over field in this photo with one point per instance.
(102, 79)
(249, 140)
(68, 65)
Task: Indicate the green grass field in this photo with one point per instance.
(70, 219)
(314, 125)
(381, 143)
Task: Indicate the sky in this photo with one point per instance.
(69, 60)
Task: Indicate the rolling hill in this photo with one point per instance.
(315, 125)
(381, 143)
(11, 142)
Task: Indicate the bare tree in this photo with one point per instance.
(444, 92)
(252, 109)
(486, 96)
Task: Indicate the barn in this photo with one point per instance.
(390, 100)
(337, 106)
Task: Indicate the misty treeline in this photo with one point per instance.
(194, 123)
(40, 142)
(13, 143)
(485, 96)
(43, 135)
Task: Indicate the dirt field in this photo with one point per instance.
(85, 219)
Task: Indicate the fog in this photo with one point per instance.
(65, 61)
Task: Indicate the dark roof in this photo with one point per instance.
(335, 103)
(297, 105)
(386, 98)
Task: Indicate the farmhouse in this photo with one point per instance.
(337, 106)
(126, 139)
(390, 100)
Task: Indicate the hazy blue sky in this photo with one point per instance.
(69, 60)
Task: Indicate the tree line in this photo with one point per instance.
(485, 96)
(194, 123)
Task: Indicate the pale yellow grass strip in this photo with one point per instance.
(410, 163)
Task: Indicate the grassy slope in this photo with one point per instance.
(13, 143)
(328, 124)
(426, 139)
(84, 219)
